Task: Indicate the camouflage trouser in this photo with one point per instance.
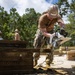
(38, 43)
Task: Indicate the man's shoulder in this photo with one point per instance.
(43, 16)
(16, 33)
(59, 16)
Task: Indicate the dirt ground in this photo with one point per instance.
(61, 65)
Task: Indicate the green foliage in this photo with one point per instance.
(68, 9)
(63, 7)
(27, 23)
(71, 26)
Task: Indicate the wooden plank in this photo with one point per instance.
(16, 54)
(71, 55)
(13, 43)
(12, 49)
(68, 48)
(24, 67)
(20, 63)
(16, 59)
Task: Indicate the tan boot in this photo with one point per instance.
(35, 62)
(47, 65)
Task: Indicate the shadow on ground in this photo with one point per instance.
(53, 71)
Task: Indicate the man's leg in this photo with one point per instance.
(36, 44)
(36, 57)
(49, 59)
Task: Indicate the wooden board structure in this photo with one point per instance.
(14, 56)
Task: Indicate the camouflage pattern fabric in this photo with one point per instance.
(40, 42)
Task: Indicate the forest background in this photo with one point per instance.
(27, 23)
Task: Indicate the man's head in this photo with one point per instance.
(16, 30)
(53, 10)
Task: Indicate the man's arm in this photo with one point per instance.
(61, 22)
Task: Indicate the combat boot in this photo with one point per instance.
(35, 62)
(47, 63)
